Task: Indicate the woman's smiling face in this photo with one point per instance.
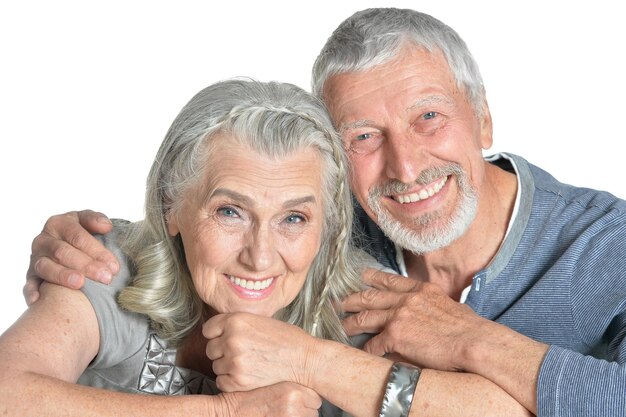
(252, 228)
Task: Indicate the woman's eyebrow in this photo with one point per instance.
(297, 201)
(245, 200)
(234, 195)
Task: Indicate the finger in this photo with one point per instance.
(377, 346)
(69, 228)
(311, 399)
(215, 351)
(31, 290)
(220, 366)
(225, 383)
(52, 272)
(367, 321)
(214, 327)
(51, 257)
(371, 299)
(386, 281)
(229, 383)
(94, 222)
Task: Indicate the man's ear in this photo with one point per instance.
(486, 127)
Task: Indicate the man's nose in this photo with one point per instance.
(402, 158)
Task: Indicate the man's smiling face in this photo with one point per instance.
(415, 146)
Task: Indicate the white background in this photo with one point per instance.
(88, 89)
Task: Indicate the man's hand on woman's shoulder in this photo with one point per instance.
(65, 253)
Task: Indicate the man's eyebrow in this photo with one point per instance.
(429, 100)
(355, 125)
(422, 102)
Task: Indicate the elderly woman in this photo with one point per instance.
(247, 210)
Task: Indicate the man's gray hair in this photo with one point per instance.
(373, 37)
(274, 119)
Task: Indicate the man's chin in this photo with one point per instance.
(420, 236)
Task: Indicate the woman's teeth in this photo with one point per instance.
(249, 284)
(422, 194)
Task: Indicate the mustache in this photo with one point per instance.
(426, 177)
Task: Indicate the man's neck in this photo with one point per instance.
(454, 267)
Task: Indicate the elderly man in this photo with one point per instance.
(502, 271)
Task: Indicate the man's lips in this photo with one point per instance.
(423, 194)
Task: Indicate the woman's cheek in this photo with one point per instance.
(302, 252)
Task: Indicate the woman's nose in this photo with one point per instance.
(259, 251)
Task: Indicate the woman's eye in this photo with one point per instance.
(295, 218)
(228, 212)
(364, 136)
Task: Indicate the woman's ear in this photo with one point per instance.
(172, 223)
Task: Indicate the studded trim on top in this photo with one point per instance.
(161, 376)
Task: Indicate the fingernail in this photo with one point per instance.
(104, 220)
(104, 276)
(113, 267)
(74, 280)
(32, 298)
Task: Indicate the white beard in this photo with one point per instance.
(421, 235)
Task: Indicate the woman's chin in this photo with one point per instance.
(259, 310)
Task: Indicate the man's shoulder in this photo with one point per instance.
(547, 187)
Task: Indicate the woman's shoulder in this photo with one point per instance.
(122, 332)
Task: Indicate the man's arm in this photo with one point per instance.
(65, 253)
(422, 324)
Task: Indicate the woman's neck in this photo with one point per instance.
(191, 353)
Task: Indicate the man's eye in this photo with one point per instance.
(364, 143)
(429, 123)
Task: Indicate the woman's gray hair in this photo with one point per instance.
(373, 37)
(274, 119)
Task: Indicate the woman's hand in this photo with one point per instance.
(284, 399)
(250, 351)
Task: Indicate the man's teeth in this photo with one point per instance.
(423, 194)
(249, 284)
